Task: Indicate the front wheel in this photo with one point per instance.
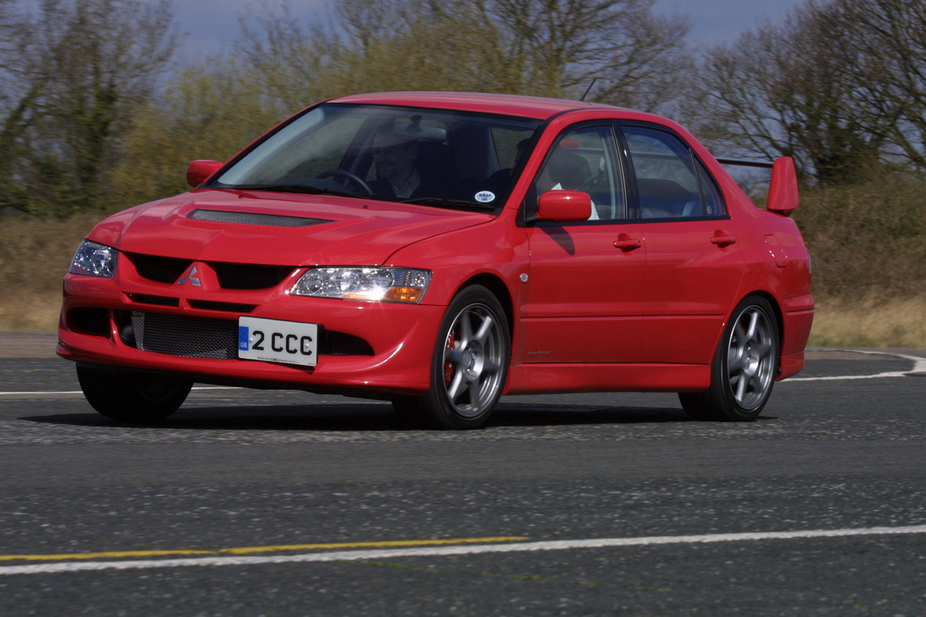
(469, 365)
(132, 397)
(744, 367)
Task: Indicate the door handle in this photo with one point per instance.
(625, 243)
(721, 239)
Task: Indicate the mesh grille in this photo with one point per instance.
(190, 337)
(160, 269)
(249, 276)
(206, 337)
(252, 218)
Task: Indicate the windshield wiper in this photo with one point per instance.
(294, 188)
(441, 202)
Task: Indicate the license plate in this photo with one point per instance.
(271, 340)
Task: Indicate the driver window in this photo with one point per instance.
(584, 160)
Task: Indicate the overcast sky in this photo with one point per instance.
(719, 21)
(212, 25)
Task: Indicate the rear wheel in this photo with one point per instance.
(744, 367)
(469, 364)
(130, 396)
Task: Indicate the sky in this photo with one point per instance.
(212, 25)
(721, 21)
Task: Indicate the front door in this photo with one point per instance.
(586, 284)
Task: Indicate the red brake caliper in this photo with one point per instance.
(448, 366)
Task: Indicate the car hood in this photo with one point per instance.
(273, 229)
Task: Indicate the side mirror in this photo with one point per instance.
(783, 197)
(199, 171)
(564, 206)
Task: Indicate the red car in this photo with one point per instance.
(439, 250)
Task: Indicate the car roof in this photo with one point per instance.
(506, 104)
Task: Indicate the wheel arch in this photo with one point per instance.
(498, 288)
(779, 318)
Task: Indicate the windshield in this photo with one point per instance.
(427, 156)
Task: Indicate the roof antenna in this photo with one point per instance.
(590, 86)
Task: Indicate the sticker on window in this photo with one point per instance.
(485, 197)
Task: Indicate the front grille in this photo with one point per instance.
(159, 269)
(206, 337)
(228, 307)
(156, 300)
(179, 335)
(249, 276)
(230, 275)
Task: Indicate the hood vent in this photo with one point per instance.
(253, 218)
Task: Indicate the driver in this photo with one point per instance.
(396, 175)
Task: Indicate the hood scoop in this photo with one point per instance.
(253, 218)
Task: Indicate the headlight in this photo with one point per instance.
(94, 259)
(372, 284)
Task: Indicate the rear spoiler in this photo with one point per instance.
(783, 193)
(745, 163)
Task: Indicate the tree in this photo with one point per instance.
(889, 73)
(560, 46)
(784, 91)
(206, 112)
(78, 71)
(374, 45)
(540, 47)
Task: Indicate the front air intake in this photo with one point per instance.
(253, 218)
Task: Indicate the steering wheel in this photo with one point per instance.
(350, 176)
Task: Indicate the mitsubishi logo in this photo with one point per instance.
(194, 280)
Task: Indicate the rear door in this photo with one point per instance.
(694, 263)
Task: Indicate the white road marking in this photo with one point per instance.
(919, 368)
(446, 551)
(69, 392)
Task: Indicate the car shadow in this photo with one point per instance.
(360, 417)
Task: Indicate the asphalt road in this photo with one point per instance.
(285, 503)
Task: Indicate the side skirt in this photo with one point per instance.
(540, 378)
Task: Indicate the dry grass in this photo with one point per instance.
(38, 253)
(872, 322)
(30, 313)
(34, 257)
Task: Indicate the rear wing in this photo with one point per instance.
(783, 192)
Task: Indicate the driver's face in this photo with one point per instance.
(394, 157)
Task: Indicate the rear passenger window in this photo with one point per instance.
(671, 183)
(711, 200)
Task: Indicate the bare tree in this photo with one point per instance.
(561, 45)
(289, 60)
(887, 39)
(80, 68)
(542, 47)
(207, 111)
(785, 91)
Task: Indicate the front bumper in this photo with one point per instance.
(395, 360)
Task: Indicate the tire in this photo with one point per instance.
(132, 397)
(469, 365)
(744, 367)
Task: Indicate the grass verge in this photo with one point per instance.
(39, 251)
(871, 322)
